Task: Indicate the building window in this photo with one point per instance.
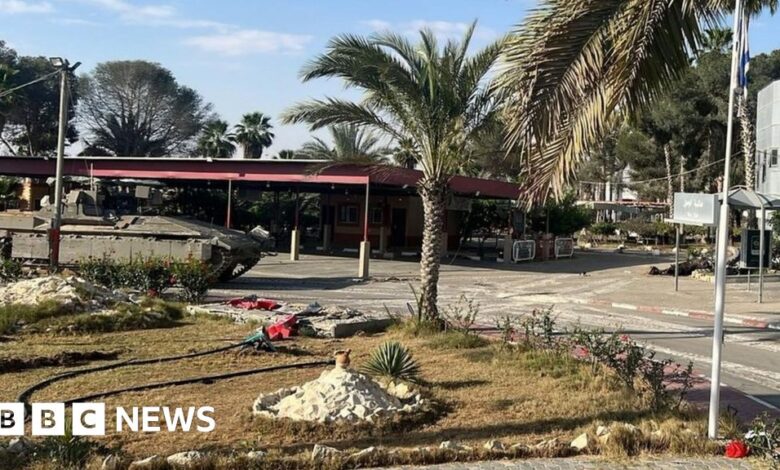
(773, 161)
(376, 215)
(348, 214)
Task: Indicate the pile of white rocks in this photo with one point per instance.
(72, 292)
(339, 394)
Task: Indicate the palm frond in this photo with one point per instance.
(575, 66)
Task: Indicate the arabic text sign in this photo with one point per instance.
(696, 208)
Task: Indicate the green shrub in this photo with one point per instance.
(66, 451)
(10, 269)
(150, 275)
(149, 314)
(12, 315)
(103, 271)
(194, 278)
(604, 229)
(392, 360)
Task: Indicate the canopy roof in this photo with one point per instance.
(743, 198)
(309, 174)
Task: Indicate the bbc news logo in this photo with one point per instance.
(89, 419)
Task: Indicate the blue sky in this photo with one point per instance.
(244, 55)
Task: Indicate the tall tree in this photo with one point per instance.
(351, 144)
(574, 67)
(254, 134)
(137, 108)
(32, 114)
(436, 96)
(216, 141)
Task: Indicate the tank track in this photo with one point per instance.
(241, 268)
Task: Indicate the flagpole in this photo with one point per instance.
(723, 234)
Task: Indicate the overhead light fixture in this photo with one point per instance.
(406, 186)
(477, 194)
(332, 187)
(209, 159)
(267, 184)
(58, 62)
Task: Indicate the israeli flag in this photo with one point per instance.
(743, 49)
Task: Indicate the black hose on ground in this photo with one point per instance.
(204, 379)
(26, 393)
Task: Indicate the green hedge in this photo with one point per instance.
(152, 275)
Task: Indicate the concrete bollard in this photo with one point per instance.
(295, 245)
(508, 242)
(365, 254)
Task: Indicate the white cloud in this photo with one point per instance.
(442, 29)
(22, 6)
(73, 22)
(155, 15)
(249, 41)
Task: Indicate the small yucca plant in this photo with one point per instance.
(392, 360)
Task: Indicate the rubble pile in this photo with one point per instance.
(313, 319)
(338, 394)
(73, 293)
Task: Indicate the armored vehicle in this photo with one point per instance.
(90, 231)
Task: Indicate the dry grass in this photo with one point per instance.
(485, 393)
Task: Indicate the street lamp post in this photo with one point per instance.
(56, 222)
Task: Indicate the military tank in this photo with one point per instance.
(90, 231)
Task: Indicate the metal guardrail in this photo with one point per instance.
(564, 247)
(523, 250)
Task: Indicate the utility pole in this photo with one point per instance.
(723, 233)
(56, 222)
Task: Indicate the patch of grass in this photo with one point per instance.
(150, 313)
(414, 328)
(12, 315)
(453, 339)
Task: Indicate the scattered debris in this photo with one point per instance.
(20, 446)
(310, 320)
(149, 463)
(452, 445)
(283, 328)
(321, 452)
(367, 452)
(686, 268)
(73, 293)
(581, 442)
(68, 358)
(189, 459)
(112, 462)
(255, 455)
(494, 445)
(252, 302)
(338, 394)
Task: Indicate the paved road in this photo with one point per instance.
(751, 363)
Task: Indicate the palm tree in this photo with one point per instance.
(351, 144)
(576, 67)
(216, 141)
(254, 134)
(436, 96)
(406, 153)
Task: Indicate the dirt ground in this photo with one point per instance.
(522, 399)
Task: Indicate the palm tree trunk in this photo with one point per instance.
(748, 141)
(669, 181)
(433, 192)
